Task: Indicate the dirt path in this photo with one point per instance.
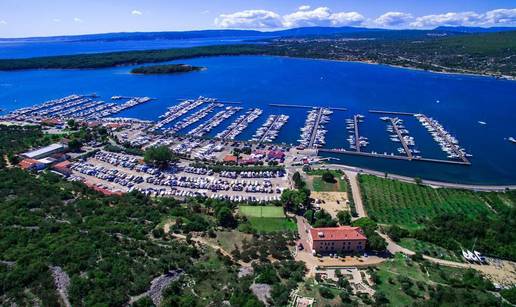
(214, 246)
(355, 190)
(502, 272)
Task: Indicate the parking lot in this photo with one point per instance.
(120, 172)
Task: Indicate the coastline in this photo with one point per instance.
(432, 183)
(473, 74)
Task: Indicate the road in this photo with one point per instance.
(486, 188)
(355, 191)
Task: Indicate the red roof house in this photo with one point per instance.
(337, 239)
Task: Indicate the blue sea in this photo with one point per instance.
(15, 49)
(458, 102)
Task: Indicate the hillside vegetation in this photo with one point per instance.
(451, 218)
(486, 53)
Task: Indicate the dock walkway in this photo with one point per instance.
(313, 134)
(402, 140)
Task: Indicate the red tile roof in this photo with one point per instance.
(337, 233)
(27, 163)
(63, 165)
(230, 158)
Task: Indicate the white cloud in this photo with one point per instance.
(500, 16)
(77, 19)
(322, 16)
(205, 12)
(448, 19)
(136, 13)
(56, 20)
(252, 19)
(347, 19)
(3, 22)
(392, 19)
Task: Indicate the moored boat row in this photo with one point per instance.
(270, 129)
(213, 122)
(239, 125)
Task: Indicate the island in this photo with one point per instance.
(165, 69)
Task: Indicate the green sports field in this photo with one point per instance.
(262, 211)
(267, 218)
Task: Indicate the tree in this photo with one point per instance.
(344, 217)
(328, 176)
(225, 218)
(75, 145)
(298, 181)
(72, 124)
(160, 156)
(292, 200)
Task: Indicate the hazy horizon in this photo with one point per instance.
(33, 18)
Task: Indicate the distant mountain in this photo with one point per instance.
(304, 31)
(474, 29)
(177, 35)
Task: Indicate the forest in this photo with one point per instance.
(165, 69)
(485, 53)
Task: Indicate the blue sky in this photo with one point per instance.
(21, 18)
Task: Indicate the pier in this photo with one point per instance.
(445, 137)
(269, 131)
(357, 134)
(239, 125)
(315, 127)
(385, 156)
(402, 140)
(299, 106)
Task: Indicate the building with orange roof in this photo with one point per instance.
(230, 159)
(343, 239)
(31, 165)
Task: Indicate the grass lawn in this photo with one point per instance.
(267, 218)
(228, 239)
(319, 185)
(272, 224)
(407, 204)
(429, 249)
(262, 211)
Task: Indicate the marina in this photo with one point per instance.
(241, 123)
(449, 144)
(356, 141)
(365, 94)
(270, 129)
(197, 116)
(179, 110)
(213, 122)
(401, 135)
(313, 132)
